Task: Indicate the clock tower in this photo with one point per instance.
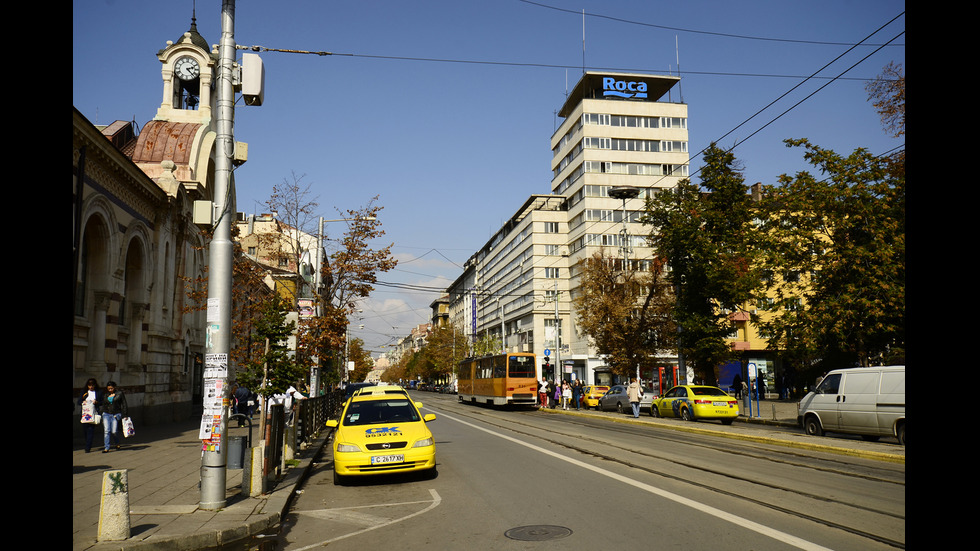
(178, 145)
(189, 67)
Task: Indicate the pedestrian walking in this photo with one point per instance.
(114, 409)
(90, 400)
(566, 395)
(557, 394)
(543, 394)
(634, 393)
(577, 394)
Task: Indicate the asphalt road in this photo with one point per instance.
(533, 480)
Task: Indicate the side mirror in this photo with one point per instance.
(418, 405)
(429, 417)
(332, 423)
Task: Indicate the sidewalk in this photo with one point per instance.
(164, 464)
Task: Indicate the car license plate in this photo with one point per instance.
(721, 404)
(382, 459)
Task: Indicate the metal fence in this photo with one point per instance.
(309, 416)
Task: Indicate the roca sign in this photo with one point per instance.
(623, 88)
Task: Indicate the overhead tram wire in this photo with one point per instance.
(693, 31)
(522, 64)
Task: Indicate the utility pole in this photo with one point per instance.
(215, 457)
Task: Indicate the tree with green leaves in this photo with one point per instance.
(274, 369)
(445, 347)
(626, 313)
(838, 259)
(708, 236)
(837, 249)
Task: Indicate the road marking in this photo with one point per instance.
(364, 519)
(707, 509)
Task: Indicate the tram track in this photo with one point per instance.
(564, 438)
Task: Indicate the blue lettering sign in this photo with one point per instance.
(382, 430)
(623, 89)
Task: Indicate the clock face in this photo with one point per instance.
(186, 68)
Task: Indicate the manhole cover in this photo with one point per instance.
(537, 533)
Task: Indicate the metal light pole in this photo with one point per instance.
(215, 456)
(624, 193)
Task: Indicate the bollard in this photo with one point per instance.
(114, 508)
(253, 483)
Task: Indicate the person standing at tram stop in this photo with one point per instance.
(634, 392)
(577, 393)
(114, 408)
(543, 394)
(566, 394)
(92, 394)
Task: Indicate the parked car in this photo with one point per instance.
(616, 398)
(694, 402)
(591, 395)
(869, 401)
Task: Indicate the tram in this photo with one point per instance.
(499, 380)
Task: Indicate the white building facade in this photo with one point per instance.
(621, 135)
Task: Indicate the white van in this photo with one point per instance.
(869, 401)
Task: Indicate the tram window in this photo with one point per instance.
(521, 366)
(499, 367)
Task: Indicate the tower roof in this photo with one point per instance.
(590, 86)
(196, 38)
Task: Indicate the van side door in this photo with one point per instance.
(859, 402)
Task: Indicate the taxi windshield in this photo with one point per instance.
(370, 412)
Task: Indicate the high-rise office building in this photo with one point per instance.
(621, 140)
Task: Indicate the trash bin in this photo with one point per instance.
(236, 452)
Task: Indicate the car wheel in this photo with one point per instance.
(337, 479)
(619, 407)
(727, 421)
(686, 414)
(811, 425)
(654, 412)
(901, 434)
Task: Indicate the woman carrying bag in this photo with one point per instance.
(113, 410)
(91, 401)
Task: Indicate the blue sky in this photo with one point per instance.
(445, 109)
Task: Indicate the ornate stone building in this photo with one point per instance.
(136, 251)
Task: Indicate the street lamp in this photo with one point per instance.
(317, 285)
(624, 193)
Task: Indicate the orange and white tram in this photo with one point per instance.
(499, 380)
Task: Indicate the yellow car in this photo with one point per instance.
(693, 402)
(591, 395)
(380, 433)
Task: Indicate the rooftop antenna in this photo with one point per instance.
(583, 41)
(677, 49)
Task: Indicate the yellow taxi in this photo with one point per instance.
(693, 402)
(591, 395)
(381, 432)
